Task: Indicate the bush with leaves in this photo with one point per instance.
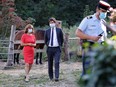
(104, 68)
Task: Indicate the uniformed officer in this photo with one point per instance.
(92, 29)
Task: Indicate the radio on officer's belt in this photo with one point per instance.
(101, 34)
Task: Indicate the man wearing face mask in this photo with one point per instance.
(53, 41)
(92, 29)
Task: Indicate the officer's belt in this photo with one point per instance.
(90, 42)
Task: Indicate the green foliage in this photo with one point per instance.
(87, 11)
(104, 68)
(112, 3)
(25, 8)
(69, 11)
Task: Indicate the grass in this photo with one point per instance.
(14, 81)
(77, 76)
(68, 76)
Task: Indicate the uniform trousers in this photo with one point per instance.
(87, 59)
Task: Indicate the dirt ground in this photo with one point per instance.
(69, 76)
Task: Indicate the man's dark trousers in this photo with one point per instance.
(53, 54)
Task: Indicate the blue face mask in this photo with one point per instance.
(102, 15)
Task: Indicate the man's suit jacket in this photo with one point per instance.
(59, 36)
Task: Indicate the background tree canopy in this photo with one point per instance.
(69, 11)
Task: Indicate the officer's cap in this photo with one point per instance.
(103, 5)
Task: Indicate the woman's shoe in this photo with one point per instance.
(26, 79)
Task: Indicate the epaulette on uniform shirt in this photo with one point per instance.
(89, 17)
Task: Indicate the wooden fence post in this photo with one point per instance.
(59, 24)
(11, 47)
(66, 47)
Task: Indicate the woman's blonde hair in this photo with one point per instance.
(27, 27)
(114, 16)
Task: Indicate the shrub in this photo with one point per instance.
(104, 74)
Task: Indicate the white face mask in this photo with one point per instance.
(52, 25)
(30, 30)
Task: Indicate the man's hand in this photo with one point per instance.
(95, 38)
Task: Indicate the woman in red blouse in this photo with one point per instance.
(29, 42)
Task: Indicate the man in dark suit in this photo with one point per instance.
(53, 41)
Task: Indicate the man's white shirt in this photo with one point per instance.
(55, 41)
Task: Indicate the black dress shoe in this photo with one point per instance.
(51, 79)
(56, 80)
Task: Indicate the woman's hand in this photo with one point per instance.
(28, 44)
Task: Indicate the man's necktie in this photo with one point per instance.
(52, 38)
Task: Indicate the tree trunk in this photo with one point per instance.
(11, 48)
(66, 47)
